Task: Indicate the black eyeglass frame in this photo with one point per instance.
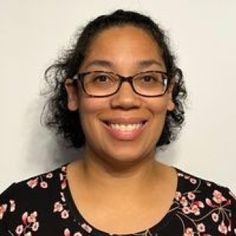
(80, 77)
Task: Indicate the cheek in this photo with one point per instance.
(89, 109)
(89, 105)
(158, 107)
(159, 110)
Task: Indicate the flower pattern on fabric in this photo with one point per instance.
(40, 181)
(43, 205)
(3, 208)
(59, 206)
(194, 210)
(28, 225)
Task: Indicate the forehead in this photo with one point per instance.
(123, 44)
(122, 35)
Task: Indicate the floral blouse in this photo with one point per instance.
(43, 206)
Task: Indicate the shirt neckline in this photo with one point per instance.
(85, 225)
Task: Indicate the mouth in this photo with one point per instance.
(125, 127)
(125, 130)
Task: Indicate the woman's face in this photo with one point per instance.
(125, 126)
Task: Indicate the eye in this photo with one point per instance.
(100, 78)
(148, 78)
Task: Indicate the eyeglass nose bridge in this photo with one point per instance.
(128, 79)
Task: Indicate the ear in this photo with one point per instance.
(171, 104)
(72, 95)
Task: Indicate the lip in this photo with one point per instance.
(122, 120)
(125, 135)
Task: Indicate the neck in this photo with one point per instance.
(120, 175)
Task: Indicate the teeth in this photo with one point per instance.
(126, 127)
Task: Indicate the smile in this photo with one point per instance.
(126, 127)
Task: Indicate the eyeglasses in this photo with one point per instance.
(104, 84)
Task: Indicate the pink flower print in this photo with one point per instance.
(180, 174)
(43, 184)
(215, 217)
(62, 197)
(222, 228)
(49, 175)
(3, 209)
(195, 207)
(189, 232)
(63, 181)
(208, 184)
(66, 232)
(35, 226)
(29, 223)
(61, 176)
(186, 210)
(193, 181)
(58, 207)
(218, 197)
(86, 227)
(24, 218)
(209, 202)
(186, 176)
(191, 196)
(38, 180)
(195, 210)
(77, 234)
(64, 214)
(28, 234)
(32, 217)
(200, 204)
(183, 201)
(201, 227)
(19, 229)
(63, 184)
(12, 206)
(33, 182)
(178, 195)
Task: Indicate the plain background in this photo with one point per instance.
(203, 36)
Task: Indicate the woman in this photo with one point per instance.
(118, 94)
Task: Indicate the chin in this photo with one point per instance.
(127, 158)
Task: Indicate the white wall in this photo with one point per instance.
(203, 34)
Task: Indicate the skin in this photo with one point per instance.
(123, 168)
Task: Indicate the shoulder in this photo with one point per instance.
(207, 202)
(24, 200)
(41, 184)
(202, 187)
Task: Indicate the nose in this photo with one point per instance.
(125, 98)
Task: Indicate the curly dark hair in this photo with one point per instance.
(66, 123)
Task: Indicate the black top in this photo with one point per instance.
(43, 206)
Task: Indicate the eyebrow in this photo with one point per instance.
(103, 63)
(146, 63)
(108, 64)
